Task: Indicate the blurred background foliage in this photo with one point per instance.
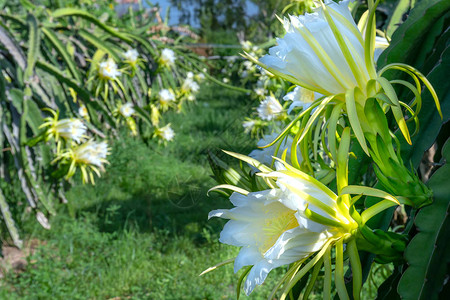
(54, 55)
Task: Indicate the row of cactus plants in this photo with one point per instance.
(70, 81)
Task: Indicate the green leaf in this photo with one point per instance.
(357, 164)
(63, 79)
(33, 117)
(147, 45)
(408, 40)
(9, 221)
(388, 289)
(402, 7)
(67, 12)
(10, 44)
(16, 97)
(28, 163)
(27, 4)
(63, 52)
(95, 61)
(98, 43)
(33, 45)
(427, 253)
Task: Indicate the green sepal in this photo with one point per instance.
(376, 120)
(381, 243)
(351, 104)
(241, 278)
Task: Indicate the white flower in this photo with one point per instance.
(200, 77)
(301, 97)
(126, 110)
(271, 226)
(191, 97)
(265, 155)
(248, 64)
(262, 81)
(246, 45)
(189, 85)
(91, 153)
(275, 227)
(108, 70)
(309, 54)
(248, 125)
(190, 75)
(166, 133)
(263, 76)
(89, 157)
(167, 57)
(225, 80)
(260, 91)
(269, 108)
(166, 96)
(82, 111)
(244, 74)
(71, 128)
(131, 55)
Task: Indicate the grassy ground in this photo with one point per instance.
(142, 231)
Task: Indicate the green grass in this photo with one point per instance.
(142, 231)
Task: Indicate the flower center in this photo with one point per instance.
(274, 227)
(306, 96)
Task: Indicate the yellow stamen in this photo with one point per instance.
(274, 227)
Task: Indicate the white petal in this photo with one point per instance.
(257, 275)
(239, 233)
(219, 213)
(310, 225)
(238, 199)
(247, 256)
(305, 186)
(296, 244)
